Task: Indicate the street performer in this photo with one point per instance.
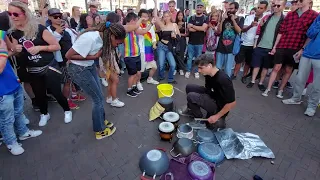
(217, 97)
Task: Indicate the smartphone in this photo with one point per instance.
(214, 23)
(3, 34)
(256, 19)
(63, 23)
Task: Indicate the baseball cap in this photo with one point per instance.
(53, 11)
(228, 1)
(200, 3)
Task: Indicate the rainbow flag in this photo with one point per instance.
(148, 49)
(131, 45)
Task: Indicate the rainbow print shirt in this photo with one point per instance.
(131, 45)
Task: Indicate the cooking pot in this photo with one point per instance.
(200, 171)
(166, 130)
(172, 117)
(166, 103)
(185, 131)
(154, 163)
(205, 136)
(211, 152)
(183, 147)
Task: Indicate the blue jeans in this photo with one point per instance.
(163, 54)
(121, 51)
(194, 51)
(87, 79)
(12, 117)
(225, 61)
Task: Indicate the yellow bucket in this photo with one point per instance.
(165, 90)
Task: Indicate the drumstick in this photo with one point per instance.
(200, 119)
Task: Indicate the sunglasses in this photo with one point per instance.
(276, 5)
(15, 14)
(57, 16)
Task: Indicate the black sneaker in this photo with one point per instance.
(289, 86)
(261, 87)
(275, 85)
(244, 80)
(51, 99)
(173, 82)
(250, 85)
(233, 77)
(131, 93)
(136, 90)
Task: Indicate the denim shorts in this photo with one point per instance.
(133, 64)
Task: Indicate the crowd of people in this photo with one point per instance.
(81, 52)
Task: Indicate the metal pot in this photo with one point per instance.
(183, 147)
(166, 103)
(185, 131)
(205, 136)
(172, 117)
(211, 152)
(154, 163)
(200, 171)
(166, 130)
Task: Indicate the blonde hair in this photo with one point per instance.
(31, 28)
(73, 9)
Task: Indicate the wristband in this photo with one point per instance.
(4, 54)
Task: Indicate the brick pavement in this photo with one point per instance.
(70, 152)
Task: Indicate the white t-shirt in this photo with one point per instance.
(248, 37)
(141, 39)
(88, 43)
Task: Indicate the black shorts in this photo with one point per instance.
(261, 58)
(133, 64)
(285, 57)
(245, 55)
(23, 75)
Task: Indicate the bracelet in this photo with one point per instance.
(4, 54)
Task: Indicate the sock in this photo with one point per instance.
(129, 89)
(253, 82)
(260, 83)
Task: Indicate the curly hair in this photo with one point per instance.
(83, 22)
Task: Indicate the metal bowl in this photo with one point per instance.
(154, 163)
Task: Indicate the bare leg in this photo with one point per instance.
(237, 69)
(255, 74)
(263, 75)
(151, 72)
(274, 73)
(286, 76)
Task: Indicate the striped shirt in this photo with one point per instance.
(131, 45)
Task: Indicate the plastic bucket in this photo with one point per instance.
(165, 90)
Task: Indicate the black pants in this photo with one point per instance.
(180, 57)
(197, 97)
(50, 81)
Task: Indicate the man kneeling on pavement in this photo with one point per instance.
(217, 97)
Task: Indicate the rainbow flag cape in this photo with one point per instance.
(148, 49)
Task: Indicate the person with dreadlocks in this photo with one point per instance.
(90, 45)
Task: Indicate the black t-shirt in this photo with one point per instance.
(65, 43)
(197, 38)
(228, 35)
(221, 89)
(25, 59)
(4, 21)
(73, 23)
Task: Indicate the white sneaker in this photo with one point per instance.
(266, 93)
(122, 71)
(109, 100)
(30, 134)
(139, 86)
(291, 101)
(44, 118)
(197, 75)
(117, 103)
(67, 117)
(187, 75)
(104, 82)
(152, 81)
(181, 73)
(175, 72)
(280, 94)
(310, 112)
(15, 149)
(304, 92)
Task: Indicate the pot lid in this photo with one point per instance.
(210, 149)
(171, 116)
(199, 169)
(166, 127)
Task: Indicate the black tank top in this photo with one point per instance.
(43, 58)
(166, 35)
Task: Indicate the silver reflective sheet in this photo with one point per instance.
(242, 145)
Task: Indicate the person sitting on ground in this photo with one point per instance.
(217, 97)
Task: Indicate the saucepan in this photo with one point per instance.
(200, 171)
(185, 131)
(166, 130)
(211, 152)
(154, 163)
(166, 103)
(206, 136)
(183, 147)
